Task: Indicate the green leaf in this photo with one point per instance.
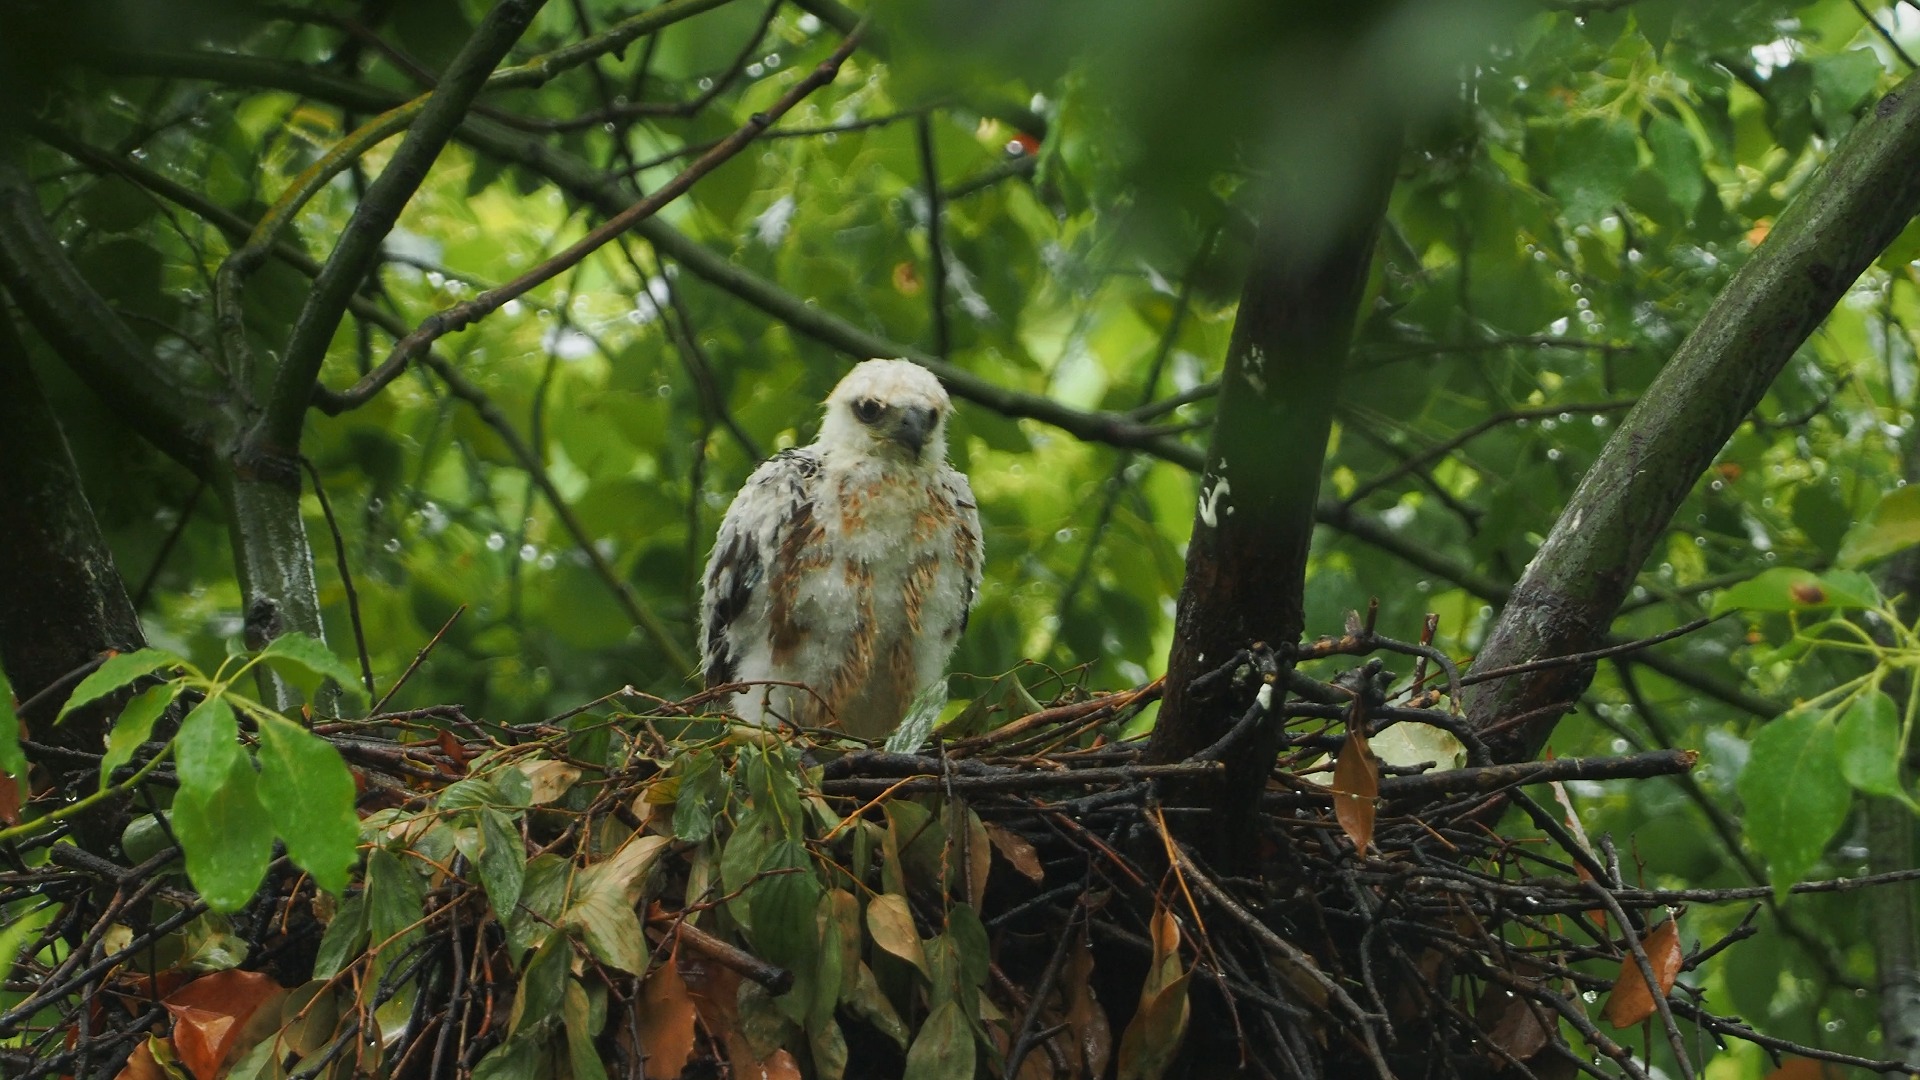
(701, 797)
(1787, 589)
(1591, 163)
(225, 833)
(782, 906)
(578, 1011)
(918, 723)
(311, 654)
(1676, 158)
(603, 904)
(943, 1049)
(1868, 742)
(515, 1059)
(18, 931)
(1795, 796)
(503, 863)
(469, 793)
(346, 936)
(207, 746)
(395, 900)
(310, 798)
(1893, 525)
(13, 761)
(132, 729)
(543, 985)
(116, 672)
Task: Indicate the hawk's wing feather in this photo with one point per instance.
(972, 549)
(779, 493)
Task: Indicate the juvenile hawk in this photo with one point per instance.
(848, 566)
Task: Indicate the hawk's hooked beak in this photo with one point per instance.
(912, 427)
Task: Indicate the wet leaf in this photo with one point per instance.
(1893, 525)
(543, 985)
(295, 649)
(119, 670)
(666, 1020)
(1795, 796)
(867, 1001)
(1019, 854)
(1153, 1037)
(213, 1017)
(1632, 1001)
(1092, 1037)
(1867, 740)
(547, 779)
(943, 1049)
(891, 924)
(13, 761)
(918, 723)
(225, 833)
(1787, 589)
(130, 731)
(1356, 788)
(503, 863)
(582, 1026)
(310, 800)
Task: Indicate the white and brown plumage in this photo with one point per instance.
(847, 566)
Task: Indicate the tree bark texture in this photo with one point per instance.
(1838, 224)
(62, 601)
(1246, 562)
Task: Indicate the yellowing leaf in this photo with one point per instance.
(891, 925)
(548, 779)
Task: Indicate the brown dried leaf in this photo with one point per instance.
(210, 1015)
(1019, 854)
(9, 800)
(1511, 1023)
(1631, 1001)
(1087, 1021)
(141, 1064)
(666, 1020)
(1356, 787)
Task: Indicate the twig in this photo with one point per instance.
(936, 254)
(359, 247)
(166, 546)
(465, 313)
(1885, 34)
(1576, 659)
(346, 575)
(418, 658)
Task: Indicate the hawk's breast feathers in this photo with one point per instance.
(844, 571)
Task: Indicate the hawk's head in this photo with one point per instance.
(893, 409)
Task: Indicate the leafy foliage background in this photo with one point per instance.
(1579, 182)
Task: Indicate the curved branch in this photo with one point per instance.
(359, 248)
(1836, 226)
(84, 330)
(467, 312)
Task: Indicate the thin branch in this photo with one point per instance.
(1885, 34)
(354, 256)
(644, 617)
(1440, 450)
(346, 576)
(936, 253)
(84, 330)
(465, 313)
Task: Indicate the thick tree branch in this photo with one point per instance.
(1841, 220)
(62, 601)
(1246, 563)
(87, 334)
(359, 247)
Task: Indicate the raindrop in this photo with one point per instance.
(528, 552)
(392, 546)
(496, 542)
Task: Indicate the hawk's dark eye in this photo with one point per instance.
(867, 409)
